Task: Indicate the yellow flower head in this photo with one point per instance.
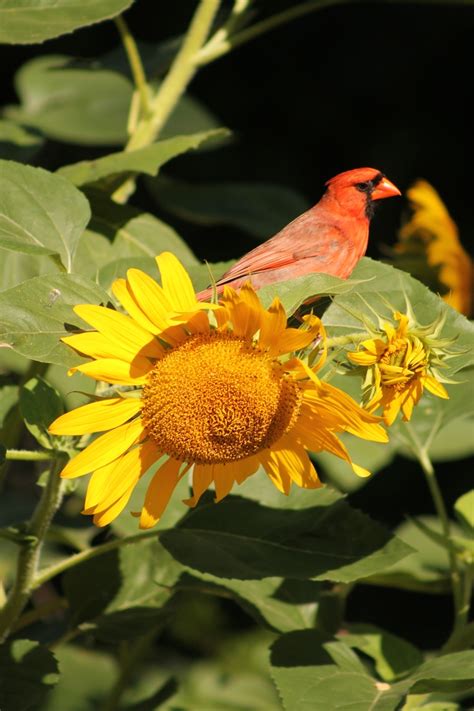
(399, 363)
(432, 233)
(214, 388)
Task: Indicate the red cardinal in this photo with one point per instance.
(331, 237)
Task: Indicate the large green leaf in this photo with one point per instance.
(30, 21)
(88, 102)
(40, 213)
(258, 208)
(35, 314)
(68, 101)
(241, 539)
(29, 671)
(144, 160)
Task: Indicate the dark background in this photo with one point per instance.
(382, 85)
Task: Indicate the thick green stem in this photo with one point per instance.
(29, 555)
(172, 88)
(180, 74)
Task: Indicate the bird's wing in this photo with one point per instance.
(305, 237)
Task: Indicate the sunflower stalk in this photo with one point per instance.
(458, 583)
(160, 106)
(30, 551)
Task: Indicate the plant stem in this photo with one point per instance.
(25, 455)
(172, 88)
(29, 555)
(57, 568)
(136, 65)
(214, 50)
(457, 583)
(180, 74)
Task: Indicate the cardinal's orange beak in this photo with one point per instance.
(385, 189)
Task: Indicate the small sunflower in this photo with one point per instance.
(213, 389)
(399, 364)
(430, 239)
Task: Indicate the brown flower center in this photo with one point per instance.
(217, 399)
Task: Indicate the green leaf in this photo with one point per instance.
(132, 234)
(393, 656)
(29, 671)
(445, 673)
(258, 208)
(40, 213)
(128, 594)
(38, 312)
(244, 540)
(87, 102)
(70, 101)
(307, 680)
(143, 160)
(3, 451)
(30, 21)
(426, 570)
(17, 143)
(464, 510)
(282, 605)
(40, 404)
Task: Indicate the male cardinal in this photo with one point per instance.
(331, 237)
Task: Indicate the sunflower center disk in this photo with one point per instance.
(217, 399)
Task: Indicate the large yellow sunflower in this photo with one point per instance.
(399, 365)
(216, 390)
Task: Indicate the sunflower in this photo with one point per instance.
(432, 236)
(399, 365)
(211, 389)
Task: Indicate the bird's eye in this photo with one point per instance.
(363, 187)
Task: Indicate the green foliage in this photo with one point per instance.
(40, 404)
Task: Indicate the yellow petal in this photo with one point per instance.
(104, 449)
(123, 292)
(278, 475)
(225, 475)
(116, 371)
(125, 472)
(103, 518)
(159, 492)
(96, 345)
(176, 283)
(435, 387)
(96, 416)
(120, 329)
(273, 323)
(293, 459)
(151, 298)
(203, 475)
(293, 339)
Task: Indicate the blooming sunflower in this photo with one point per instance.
(216, 390)
(400, 363)
(432, 235)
